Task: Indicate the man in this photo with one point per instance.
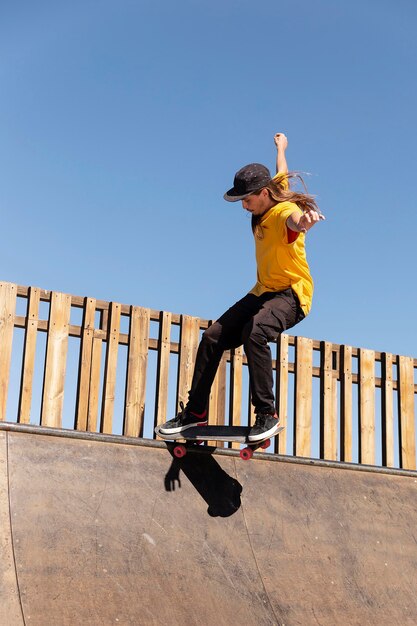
(280, 299)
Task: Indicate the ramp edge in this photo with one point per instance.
(151, 443)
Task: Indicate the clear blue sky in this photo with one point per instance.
(123, 123)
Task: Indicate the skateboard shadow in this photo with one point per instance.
(220, 491)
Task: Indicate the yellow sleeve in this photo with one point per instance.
(282, 179)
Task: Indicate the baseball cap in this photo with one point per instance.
(248, 179)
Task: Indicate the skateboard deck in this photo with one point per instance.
(198, 434)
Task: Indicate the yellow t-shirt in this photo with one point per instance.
(281, 264)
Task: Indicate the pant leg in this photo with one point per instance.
(224, 334)
(279, 312)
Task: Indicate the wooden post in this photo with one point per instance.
(251, 409)
(137, 364)
(189, 337)
(280, 442)
(110, 372)
(84, 372)
(328, 404)
(29, 353)
(236, 370)
(235, 400)
(303, 391)
(367, 406)
(8, 294)
(95, 374)
(406, 413)
(217, 400)
(387, 410)
(346, 404)
(164, 351)
(56, 360)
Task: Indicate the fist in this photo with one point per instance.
(281, 140)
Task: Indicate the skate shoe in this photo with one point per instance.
(265, 426)
(183, 420)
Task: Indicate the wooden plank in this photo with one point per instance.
(387, 411)
(346, 404)
(303, 391)
(221, 386)
(251, 408)
(137, 365)
(56, 360)
(94, 388)
(366, 406)
(8, 295)
(280, 442)
(162, 381)
(217, 400)
(236, 376)
(406, 413)
(328, 407)
(110, 371)
(95, 375)
(29, 354)
(189, 338)
(86, 355)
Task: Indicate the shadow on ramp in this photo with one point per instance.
(220, 491)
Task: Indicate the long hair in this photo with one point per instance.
(282, 193)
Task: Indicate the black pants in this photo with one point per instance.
(253, 322)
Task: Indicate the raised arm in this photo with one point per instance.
(281, 143)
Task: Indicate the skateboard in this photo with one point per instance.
(198, 434)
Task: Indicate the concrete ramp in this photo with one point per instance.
(101, 533)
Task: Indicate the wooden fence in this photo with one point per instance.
(125, 368)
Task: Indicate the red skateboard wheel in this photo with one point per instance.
(179, 451)
(246, 454)
(265, 444)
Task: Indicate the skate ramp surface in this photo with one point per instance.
(100, 533)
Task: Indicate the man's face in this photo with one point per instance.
(257, 204)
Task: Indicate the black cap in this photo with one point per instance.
(247, 180)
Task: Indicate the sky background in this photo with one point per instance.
(123, 122)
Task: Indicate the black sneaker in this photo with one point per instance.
(265, 426)
(184, 419)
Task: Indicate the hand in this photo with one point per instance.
(308, 220)
(281, 141)
(172, 477)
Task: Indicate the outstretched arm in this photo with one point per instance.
(302, 222)
(281, 143)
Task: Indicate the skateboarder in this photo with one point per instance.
(280, 298)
